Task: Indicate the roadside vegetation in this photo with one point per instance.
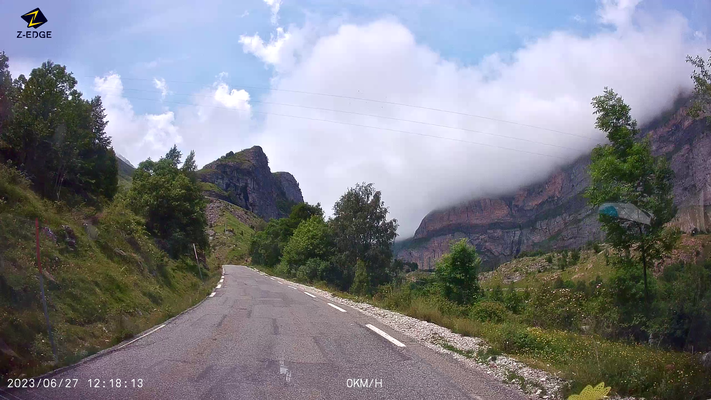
(116, 259)
(639, 330)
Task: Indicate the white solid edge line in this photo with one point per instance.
(385, 335)
(212, 294)
(140, 337)
(219, 286)
(310, 294)
(293, 287)
(336, 307)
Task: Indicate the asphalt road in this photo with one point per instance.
(261, 338)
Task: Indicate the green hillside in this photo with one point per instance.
(105, 279)
(125, 172)
(230, 231)
(593, 263)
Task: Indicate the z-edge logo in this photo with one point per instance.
(35, 18)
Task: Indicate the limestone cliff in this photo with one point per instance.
(553, 215)
(244, 179)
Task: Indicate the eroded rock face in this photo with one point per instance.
(553, 214)
(244, 179)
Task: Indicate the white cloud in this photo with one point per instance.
(548, 82)
(278, 52)
(617, 12)
(244, 14)
(577, 18)
(161, 85)
(274, 5)
(217, 120)
(134, 136)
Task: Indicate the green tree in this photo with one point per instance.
(512, 300)
(497, 294)
(362, 232)
(171, 201)
(312, 239)
(362, 283)
(456, 273)
(625, 171)
(6, 94)
(702, 83)
(267, 245)
(57, 138)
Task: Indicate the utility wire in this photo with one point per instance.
(380, 116)
(382, 102)
(361, 126)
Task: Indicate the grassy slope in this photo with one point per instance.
(534, 271)
(125, 173)
(231, 230)
(115, 284)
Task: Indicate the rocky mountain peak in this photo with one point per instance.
(244, 179)
(554, 215)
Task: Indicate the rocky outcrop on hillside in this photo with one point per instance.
(244, 179)
(553, 214)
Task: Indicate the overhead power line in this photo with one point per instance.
(362, 126)
(381, 102)
(382, 117)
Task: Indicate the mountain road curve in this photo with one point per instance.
(259, 337)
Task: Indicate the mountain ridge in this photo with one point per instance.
(245, 180)
(553, 215)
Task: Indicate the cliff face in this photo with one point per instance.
(553, 214)
(244, 179)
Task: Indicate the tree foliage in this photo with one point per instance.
(702, 83)
(268, 245)
(55, 136)
(311, 239)
(456, 273)
(626, 171)
(362, 232)
(171, 201)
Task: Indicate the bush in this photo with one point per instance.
(361, 282)
(513, 301)
(555, 308)
(309, 271)
(311, 239)
(489, 311)
(456, 273)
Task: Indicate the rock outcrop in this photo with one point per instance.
(244, 179)
(553, 214)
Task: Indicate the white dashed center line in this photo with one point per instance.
(310, 294)
(280, 282)
(385, 335)
(293, 287)
(336, 307)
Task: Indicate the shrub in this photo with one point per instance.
(456, 273)
(309, 271)
(555, 308)
(311, 239)
(489, 311)
(513, 301)
(361, 282)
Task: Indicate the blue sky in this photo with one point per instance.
(220, 76)
(192, 42)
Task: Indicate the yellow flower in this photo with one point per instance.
(592, 393)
